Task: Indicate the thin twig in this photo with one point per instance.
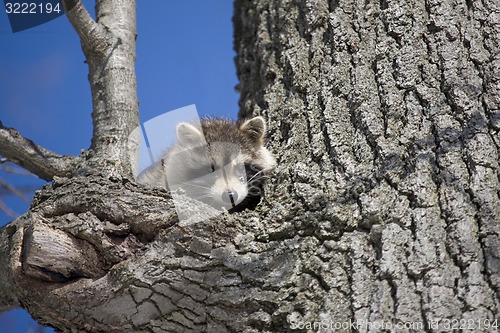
(9, 212)
(12, 189)
(14, 169)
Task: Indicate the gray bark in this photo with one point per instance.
(109, 47)
(385, 117)
(40, 161)
(384, 208)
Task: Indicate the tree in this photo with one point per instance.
(384, 209)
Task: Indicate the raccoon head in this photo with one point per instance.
(222, 163)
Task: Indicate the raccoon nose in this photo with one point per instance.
(230, 197)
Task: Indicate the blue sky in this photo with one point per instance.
(184, 56)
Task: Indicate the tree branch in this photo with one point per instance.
(93, 36)
(8, 298)
(42, 162)
(13, 190)
(109, 47)
(7, 211)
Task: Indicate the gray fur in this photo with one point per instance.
(203, 153)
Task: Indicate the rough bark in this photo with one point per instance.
(109, 47)
(38, 160)
(385, 118)
(384, 208)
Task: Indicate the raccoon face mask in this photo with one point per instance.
(219, 162)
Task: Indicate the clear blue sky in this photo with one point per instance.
(184, 56)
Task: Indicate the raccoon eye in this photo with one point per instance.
(212, 166)
(256, 168)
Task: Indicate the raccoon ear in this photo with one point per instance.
(255, 129)
(189, 136)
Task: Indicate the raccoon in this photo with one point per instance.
(223, 163)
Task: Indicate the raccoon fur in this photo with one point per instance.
(223, 163)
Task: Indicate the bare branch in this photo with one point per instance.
(12, 189)
(42, 162)
(108, 43)
(8, 298)
(93, 36)
(9, 212)
(12, 168)
(25, 189)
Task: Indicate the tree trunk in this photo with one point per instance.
(385, 119)
(383, 213)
